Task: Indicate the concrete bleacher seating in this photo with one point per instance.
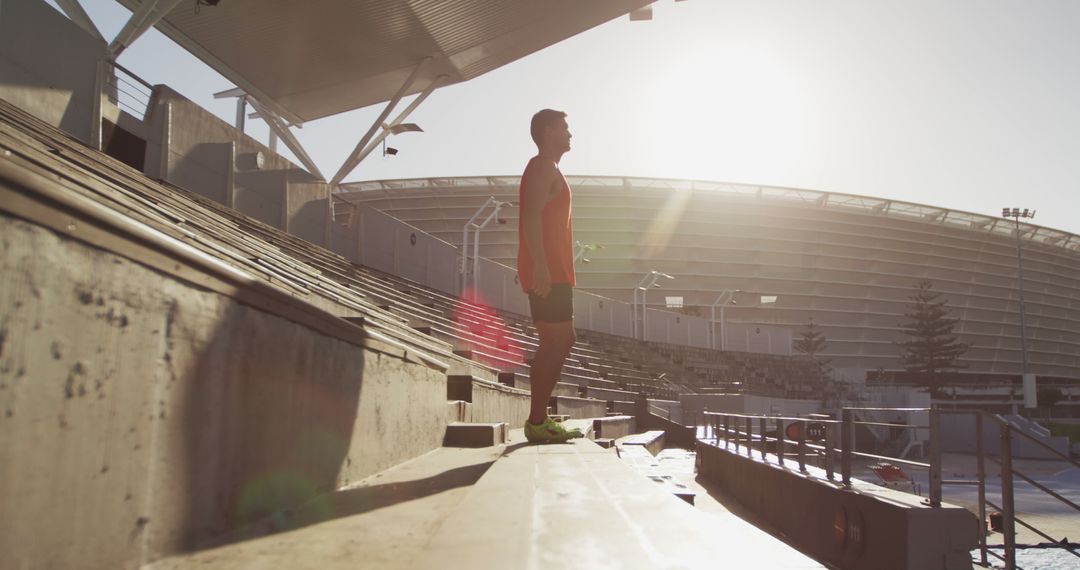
(230, 410)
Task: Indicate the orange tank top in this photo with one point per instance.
(558, 229)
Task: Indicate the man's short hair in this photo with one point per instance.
(543, 119)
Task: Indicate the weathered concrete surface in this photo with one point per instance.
(384, 521)
(864, 527)
(141, 416)
(460, 434)
(493, 402)
(579, 408)
(578, 506)
(307, 211)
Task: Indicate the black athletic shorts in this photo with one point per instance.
(557, 307)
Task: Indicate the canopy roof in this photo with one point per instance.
(308, 60)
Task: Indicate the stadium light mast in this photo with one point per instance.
(643, 286)
(477, 226)
(726, 296)
(1029, 384)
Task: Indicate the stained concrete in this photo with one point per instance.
(864, 526)
(384, 521)
(578, 506)
(141, 416)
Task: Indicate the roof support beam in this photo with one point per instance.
(75, 13)
(386, 128)
(278, 126)
(354, 157)
(150, 12)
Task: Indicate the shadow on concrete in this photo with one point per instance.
(353, 502)
(266, 419)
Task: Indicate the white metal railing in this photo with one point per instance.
(737, 431)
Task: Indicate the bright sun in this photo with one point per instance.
(730, 114)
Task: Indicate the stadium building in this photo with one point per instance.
(848, 262)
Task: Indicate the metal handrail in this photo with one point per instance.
(734, 433)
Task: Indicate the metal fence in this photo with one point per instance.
(823, 440)
(128, 91)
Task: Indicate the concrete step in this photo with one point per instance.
(614, 427)
(381, 523)
(461, 434)
(649, 466)
(579, 408)
(521, 382)
(576, 505)
(651, 441)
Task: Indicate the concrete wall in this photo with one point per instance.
(959, 436)
(493, 402)
(878, 528)
(141, 416)
(676, 328)
(693, 405)
(192, 148)
(307, 211)
(51, 79)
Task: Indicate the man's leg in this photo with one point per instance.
(556, 339)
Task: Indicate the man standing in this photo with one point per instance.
(546, 268)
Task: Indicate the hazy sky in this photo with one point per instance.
(965, 104)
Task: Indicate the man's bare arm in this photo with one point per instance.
(537, 193)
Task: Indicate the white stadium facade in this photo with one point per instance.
(848, 262)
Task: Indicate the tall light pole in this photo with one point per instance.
(646, 282)
(496, 206)
(1016, 214)
(726, 296)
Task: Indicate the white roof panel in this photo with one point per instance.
(308, 60)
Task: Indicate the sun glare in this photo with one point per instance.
(729, 114)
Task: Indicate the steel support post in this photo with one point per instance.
(148, 13)
(749, 437)
(95, 104)
(935, 458)
(353, 159)
(75, 12)
(764, 443)
(980, 467)
(1007, 504)
(802, 447)
(846, 444)
(1020, 279)
(830, 444)
(780, 442)
(279, 126)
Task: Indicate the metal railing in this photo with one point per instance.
(128, 91)
(737, 431)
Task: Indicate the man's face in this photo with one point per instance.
(559, 135)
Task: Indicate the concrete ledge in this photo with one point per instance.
(459, 387)
(607, 394)
(521, 382)
(651, 441)
(578, 408)
(863, 527)
(577, 505)
(475, 435)
(645, 462)
(494, 402)
(613, 427)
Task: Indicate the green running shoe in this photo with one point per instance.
(550, 432)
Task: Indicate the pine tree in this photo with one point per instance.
(931, 347)
(811, 343)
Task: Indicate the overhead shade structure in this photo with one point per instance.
(309, 60)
